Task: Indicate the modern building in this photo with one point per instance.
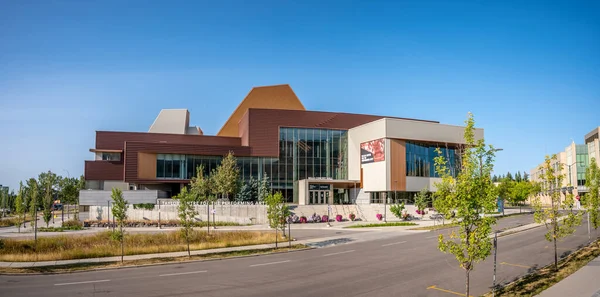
(575, 160)
(593, 145)
(312, 157)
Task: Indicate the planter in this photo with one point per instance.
(325, 219)
(351, 217)
(303, 220)
(379, 216)
(338, 218)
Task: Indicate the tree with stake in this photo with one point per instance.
(277, 211)
(47, 206)
(468, 195)
(202, 189)
(592, 182)
(33, 193)
(187, 212)
(552, 181)
(20, 207)
(119, 210)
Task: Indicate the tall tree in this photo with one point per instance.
(552, 181)
(186, 212)
(48, 201)
(226, 176)
(277, 211)
(264, 188)
(519, 193)
(20, 207)
(504, 189)
(518, 177)
(592, 182)
(509, 176)
(525, 176)
(119, 210)
(468, 195)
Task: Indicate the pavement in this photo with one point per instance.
(582, 283)
(380, 263)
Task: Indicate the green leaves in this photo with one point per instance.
(277, 211)
(592, 182)
(119, 206)
(468, 195)
(226, 176)
(397, 209)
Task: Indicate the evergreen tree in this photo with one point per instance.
(518, 177)
(494, 179)
(592, 182)
(20, 207)
(509, 176)
(264, 188)
(525, 176)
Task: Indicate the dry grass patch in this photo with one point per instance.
(155, 261)
(102, 244)
(542, 279)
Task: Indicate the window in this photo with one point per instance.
(420, 159)
(111, 156)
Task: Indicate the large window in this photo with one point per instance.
(420, 159)
(111, 156)
(582, 163)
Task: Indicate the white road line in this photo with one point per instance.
(271, 263)
(87, 282)
(344, 252)
(394, 243)
(182, 273)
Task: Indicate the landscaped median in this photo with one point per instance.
(391, 224)
(104, 245)
(540, 280)
(147, 262)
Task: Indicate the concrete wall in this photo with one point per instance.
(415, 183)
(356, 136)
(425, 131)
(95, 197)
(242, 214)
(375, 177)
(109, 185)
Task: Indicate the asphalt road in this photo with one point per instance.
(407, 265)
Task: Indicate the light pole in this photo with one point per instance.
(495, 252)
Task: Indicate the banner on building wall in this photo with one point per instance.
(372, 151)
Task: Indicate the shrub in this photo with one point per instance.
(338, 218)
(352, 217)
(72, 224)
(147, 206)
(379, 216)
(303, 220)
(397, 209)
(316, 218)
(324, 219)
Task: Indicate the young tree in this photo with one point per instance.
(277, 211)
(20, 207)
(552, 179)
(119, 210)
(592, 182)
(226, 176)
(397, 209)
(468, 195)
(48, 201)
(504, 189)
(187, 212)
(509, 176)
(32, 192)
(421, 201)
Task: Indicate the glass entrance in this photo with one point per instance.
(318, 197)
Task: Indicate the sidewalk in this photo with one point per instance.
(583, 283)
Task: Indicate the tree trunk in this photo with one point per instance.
(467, 282)
(555, 255)
(122, 239)
(187, 238)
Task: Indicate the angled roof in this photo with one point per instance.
(267, 97)
(172, 121)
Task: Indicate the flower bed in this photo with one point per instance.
(379, 216)
(324, 219)
(338, 218)
(351, 217)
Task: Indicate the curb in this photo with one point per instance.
(149, 265)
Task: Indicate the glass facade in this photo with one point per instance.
(420, 159)
(582, 163)
(303, 153)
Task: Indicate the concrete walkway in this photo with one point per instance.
(583, 283)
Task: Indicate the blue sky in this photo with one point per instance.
(530, 72)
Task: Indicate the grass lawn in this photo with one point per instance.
(102, 245)
(109, 265)
(392, 224)
(542, 279)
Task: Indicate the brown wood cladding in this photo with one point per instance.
(116, 140)
(103, 170)
(146, 165)
(264, 125)
(398, 164)
(132, 149)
